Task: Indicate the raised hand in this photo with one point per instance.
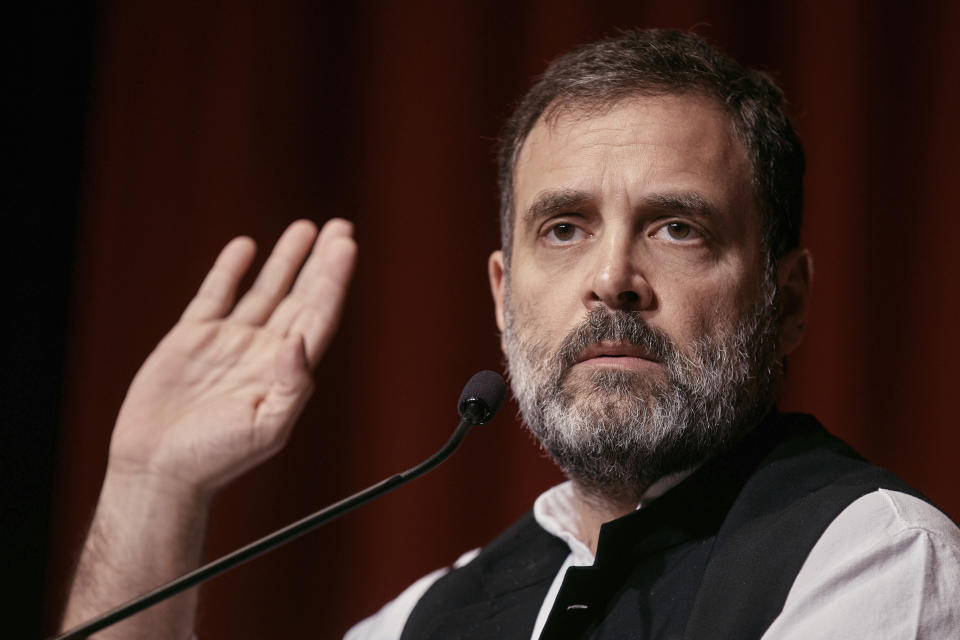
(221, 391)
(219, 394)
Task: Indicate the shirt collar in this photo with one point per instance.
(555, 510)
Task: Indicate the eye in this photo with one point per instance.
(564, 233)
(678, 231)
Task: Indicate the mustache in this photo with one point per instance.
(603, 324)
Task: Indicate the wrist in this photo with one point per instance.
(152, 518)
(138, 488)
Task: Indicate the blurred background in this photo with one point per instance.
(155, 132)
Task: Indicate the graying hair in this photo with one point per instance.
(662, 62)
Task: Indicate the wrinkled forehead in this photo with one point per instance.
(645, 142)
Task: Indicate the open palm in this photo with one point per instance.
(221, 391)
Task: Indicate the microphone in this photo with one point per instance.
(479, 401)
(481, 397)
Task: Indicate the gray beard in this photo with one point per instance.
(618, 431)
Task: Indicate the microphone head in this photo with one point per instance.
(481, 397)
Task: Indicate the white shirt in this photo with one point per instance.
(888, 567)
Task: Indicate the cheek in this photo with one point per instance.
(692, 307)
(543, 310)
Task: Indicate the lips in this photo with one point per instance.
(612, 350)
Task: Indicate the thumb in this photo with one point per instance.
(286, 397)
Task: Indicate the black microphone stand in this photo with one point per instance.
(271, 541)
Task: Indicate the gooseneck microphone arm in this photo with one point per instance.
(480, 400)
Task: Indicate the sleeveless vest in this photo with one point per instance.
(714, 558)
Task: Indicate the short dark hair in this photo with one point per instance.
(656, 62)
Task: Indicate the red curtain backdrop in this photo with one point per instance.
(211, 120)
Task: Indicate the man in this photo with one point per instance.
(648, 289)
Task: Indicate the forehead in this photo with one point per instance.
(634, 148)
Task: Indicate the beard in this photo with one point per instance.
(616, 431)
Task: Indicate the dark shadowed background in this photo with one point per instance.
(161, 130)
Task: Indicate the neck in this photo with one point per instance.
(594, 510)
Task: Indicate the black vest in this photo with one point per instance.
(714, 558)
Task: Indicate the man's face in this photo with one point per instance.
(637, 316)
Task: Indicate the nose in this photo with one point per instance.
(617, 279)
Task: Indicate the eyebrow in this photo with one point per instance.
(689, 202)
(548, 203)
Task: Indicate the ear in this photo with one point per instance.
(794, 280)
(498, 285)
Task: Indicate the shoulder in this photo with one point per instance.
(884, 515)
(887, 566)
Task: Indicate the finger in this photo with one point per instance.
(325, 296)
(215, 297)
(274, 280)
(333, 232)
(314, 306)
(313, 271)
